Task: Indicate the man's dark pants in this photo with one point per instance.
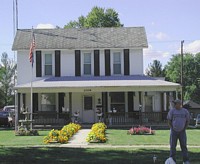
(174, 137)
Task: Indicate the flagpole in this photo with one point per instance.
(32, 60)
(31, 127)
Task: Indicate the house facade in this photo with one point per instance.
(85, 70)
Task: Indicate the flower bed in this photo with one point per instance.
(63, 135)
(97, 133)
(23, 132)
(141, 130)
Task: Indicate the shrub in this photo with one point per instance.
(97, 133)
(23, 132)
(63, 135)
(140, 130)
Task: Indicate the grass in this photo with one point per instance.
(92, 155)
(26, 149)
(120, 137)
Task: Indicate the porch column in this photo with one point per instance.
(165, 101)
(70, 104)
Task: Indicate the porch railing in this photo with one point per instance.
(50, 119)
(140, 118)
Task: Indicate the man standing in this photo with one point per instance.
(178, 120)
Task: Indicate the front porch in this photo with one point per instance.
(47, 120)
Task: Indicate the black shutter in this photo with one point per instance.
(104, 101)
(96, 63)
(107, 62)
(18, 103)
(35, 102)
(57, 63)
(38, 64)
(24, 100)
(130, 102)
(77, 63)
(126, 62)
(61, 101)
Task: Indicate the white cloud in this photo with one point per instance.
(155, 54)
(45, 26)
(193, 47)
(159, 36)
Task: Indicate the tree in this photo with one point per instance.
(155, 69)
(7, 76)
(191, 68)
(97, 17)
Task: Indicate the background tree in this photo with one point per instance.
(7, 75)
(155, 69)
(97, 17)
(191, 74)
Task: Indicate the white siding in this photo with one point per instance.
(136, 62)
(67, 63)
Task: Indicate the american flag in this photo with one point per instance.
(32, 47)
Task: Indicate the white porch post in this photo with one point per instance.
(165, 101)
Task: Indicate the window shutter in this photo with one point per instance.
(35, 102)
(107, 62)
(57, 63)
(126, 62)
(19, 104)
(130, 102)
(77, 63)
(24, 100)
(38, 64)
(96, 63)
(61, 101)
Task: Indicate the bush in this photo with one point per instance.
(23, 132)
(63, 135)
(141, 130)
(97, 133)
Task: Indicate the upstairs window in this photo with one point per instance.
(87, 64)
(116, 63)
(48, 64)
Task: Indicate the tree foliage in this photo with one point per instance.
(7, 75)
(155, 69)
(191, 76)
(97, 17)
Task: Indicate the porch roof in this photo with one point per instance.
(99, 83)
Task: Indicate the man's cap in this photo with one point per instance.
(177, 101)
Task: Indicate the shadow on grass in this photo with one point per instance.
(92, 155)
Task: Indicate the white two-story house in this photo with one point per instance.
(85, 69)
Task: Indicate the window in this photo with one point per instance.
(88, 103)
(48, 64)
(87, 64)
(116, 63)
(117, 101)
(48, 102)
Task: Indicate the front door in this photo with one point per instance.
(88, 109)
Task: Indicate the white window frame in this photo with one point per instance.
(113, 62)
(48, 64)
(83, 63)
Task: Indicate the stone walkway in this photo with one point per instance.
(79, 139)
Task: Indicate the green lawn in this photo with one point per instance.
(35, 151)
(120, 137)
(115, 137)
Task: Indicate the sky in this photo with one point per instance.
(167, 22)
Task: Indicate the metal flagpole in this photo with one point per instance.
(31, 58)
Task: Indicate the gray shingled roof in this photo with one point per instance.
(120, 37)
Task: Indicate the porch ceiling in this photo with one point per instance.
(99, 84)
